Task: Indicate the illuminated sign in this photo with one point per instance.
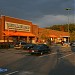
(17, 27)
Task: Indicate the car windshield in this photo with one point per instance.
(22, 43)
(29, 44)
(17, 43)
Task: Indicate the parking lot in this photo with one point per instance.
(61, 61)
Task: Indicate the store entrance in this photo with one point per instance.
(22, 38)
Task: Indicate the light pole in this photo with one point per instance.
(68, 9)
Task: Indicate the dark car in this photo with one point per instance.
(19, 45)
(29, 46)
(40, 49)
(73, 44)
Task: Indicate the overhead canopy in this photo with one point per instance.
(11, 33)
(54, 36)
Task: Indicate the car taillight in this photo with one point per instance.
(30, 50)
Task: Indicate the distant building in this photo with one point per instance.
(53, 35)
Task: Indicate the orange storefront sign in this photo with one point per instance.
(11, 33)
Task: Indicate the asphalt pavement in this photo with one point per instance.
(61, 61)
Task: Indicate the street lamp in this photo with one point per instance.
(68, 9)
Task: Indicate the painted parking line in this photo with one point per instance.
(48, 54)
(65, 56)
(12, 73)
(53, 53)
(26, 73)
(20, 73)
(56, 53)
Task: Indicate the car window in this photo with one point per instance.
(17, 43)
(73, 44)
(23, 43)
(37, 47)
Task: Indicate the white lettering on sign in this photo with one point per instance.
(17, 27)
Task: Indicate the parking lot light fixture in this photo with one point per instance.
(68, 9)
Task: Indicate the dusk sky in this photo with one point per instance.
(44, 13)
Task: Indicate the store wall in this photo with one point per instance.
(11, 20)
(0, 28)
(35, 29)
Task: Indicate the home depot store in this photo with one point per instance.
(12, 29)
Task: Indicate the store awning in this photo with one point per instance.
(11, 33)
(54, 36)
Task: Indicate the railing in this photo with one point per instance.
(5, 45)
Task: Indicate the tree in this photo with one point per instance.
(65, 27)
(72, 36)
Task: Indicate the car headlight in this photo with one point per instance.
(32, 50)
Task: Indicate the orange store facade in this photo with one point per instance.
(14, 29)
(54, 35)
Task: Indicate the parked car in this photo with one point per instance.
(29, 46)
(73, 44)
(39, 49)
(19, 45)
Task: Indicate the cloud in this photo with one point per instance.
(49, 20)
(37, 7)
(43, 12)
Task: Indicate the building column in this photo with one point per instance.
(18, 38)
(27, 39)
